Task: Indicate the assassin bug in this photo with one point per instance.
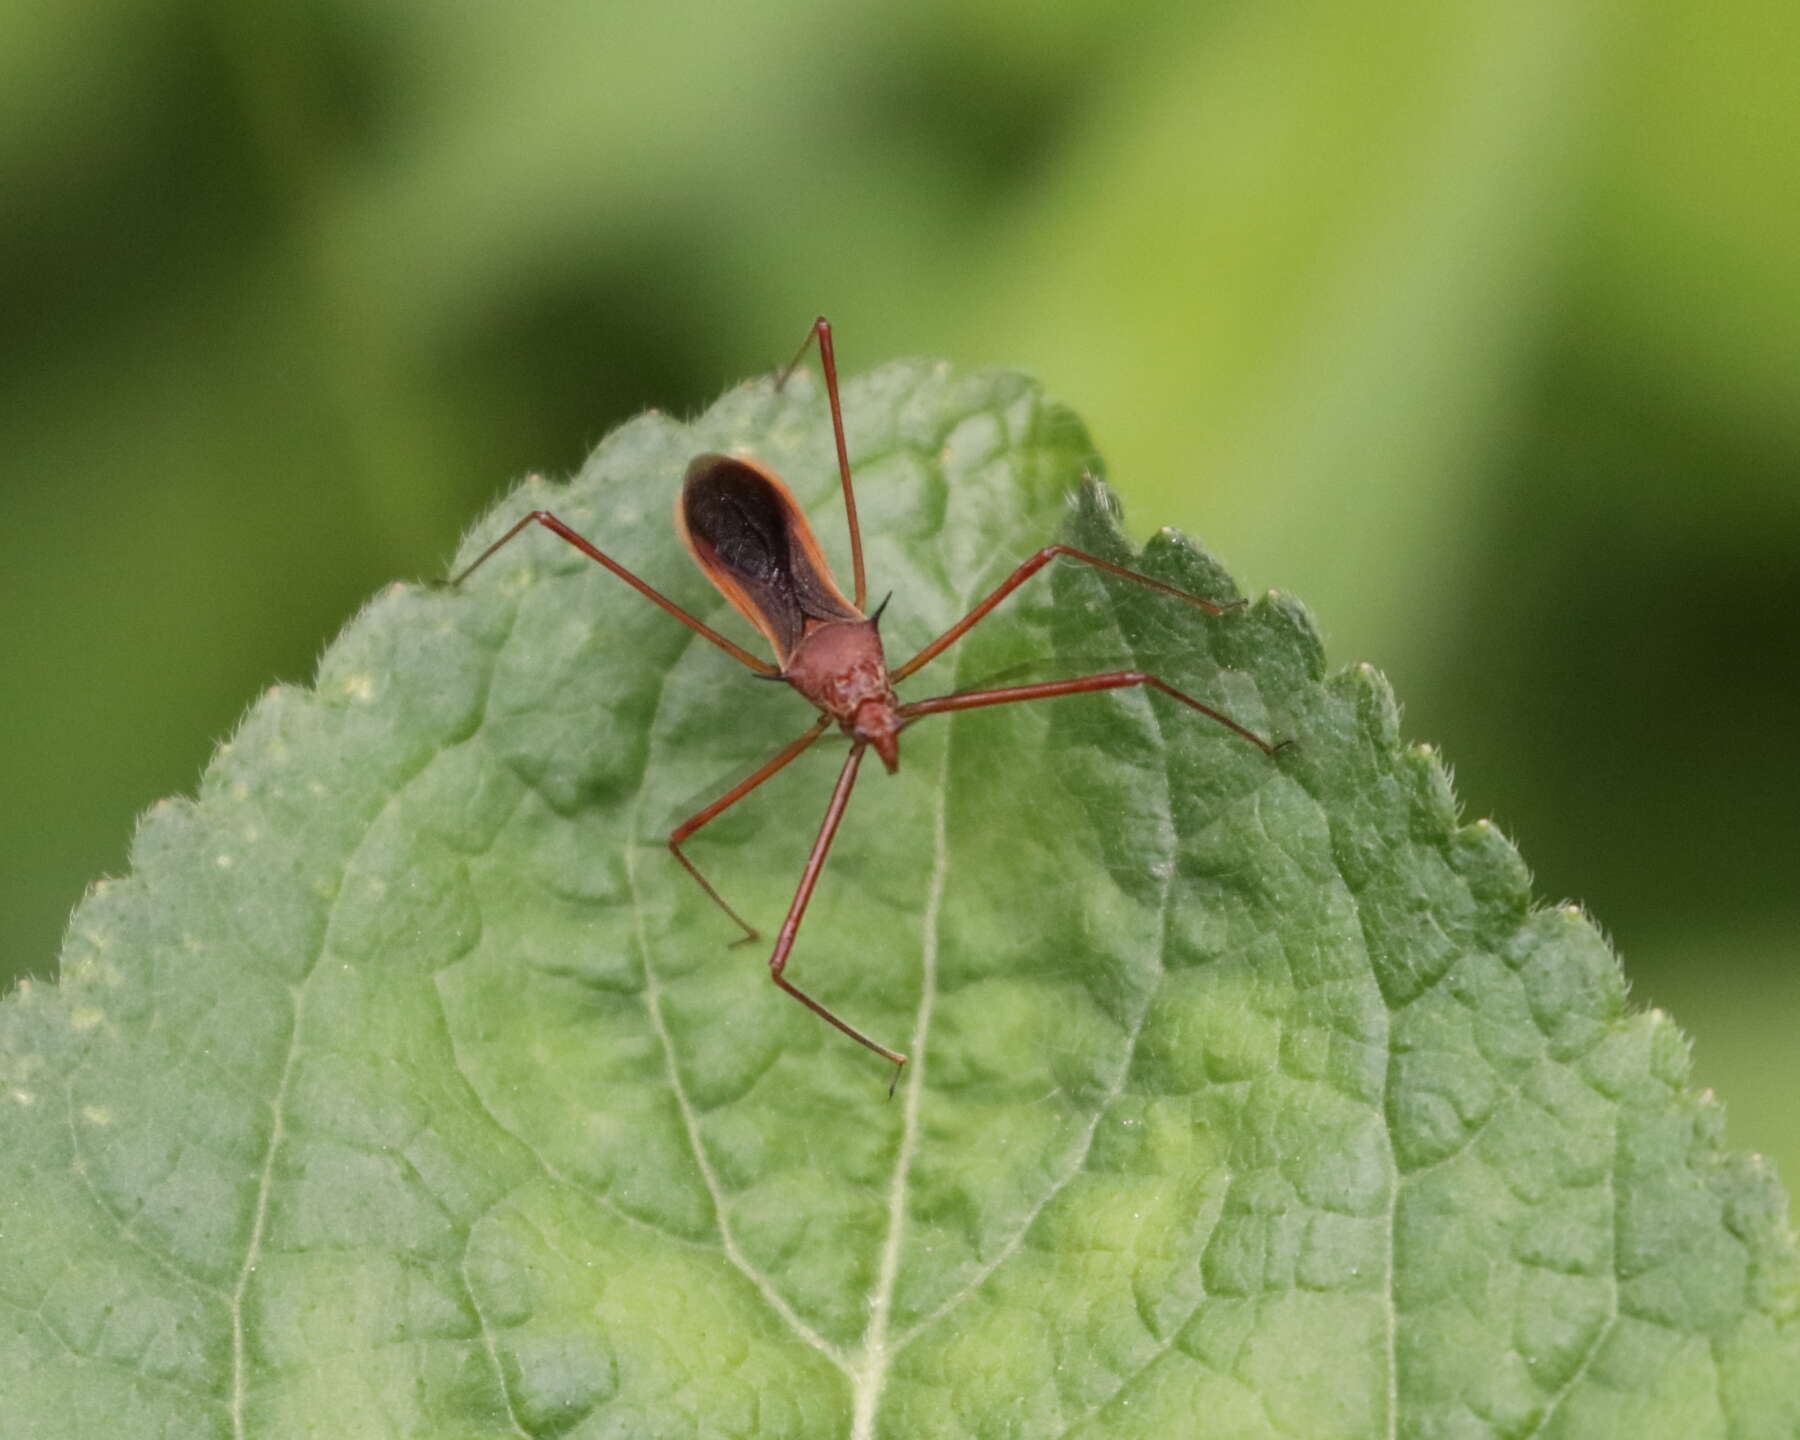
(749, 535)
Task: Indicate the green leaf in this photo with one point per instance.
(407, 1087)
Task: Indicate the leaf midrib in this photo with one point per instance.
(877, 1352)
(870, 1376)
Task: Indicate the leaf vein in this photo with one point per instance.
(551, 1172)
(277, 1107)
(127, 1228)
(1612, 1304)
(102, 1362)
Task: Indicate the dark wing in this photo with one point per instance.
(750, 536)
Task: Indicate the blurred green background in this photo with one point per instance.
(1476, 325)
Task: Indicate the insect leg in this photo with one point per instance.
(821, 331)
(1083, 685)
(556, 527)
(809, 877)
(1025, 571)
(718, 807)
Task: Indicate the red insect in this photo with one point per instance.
(750, 537)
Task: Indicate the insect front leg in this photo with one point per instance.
(821, 332)
(1026, 570)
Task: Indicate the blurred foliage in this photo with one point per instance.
(1504, 293)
